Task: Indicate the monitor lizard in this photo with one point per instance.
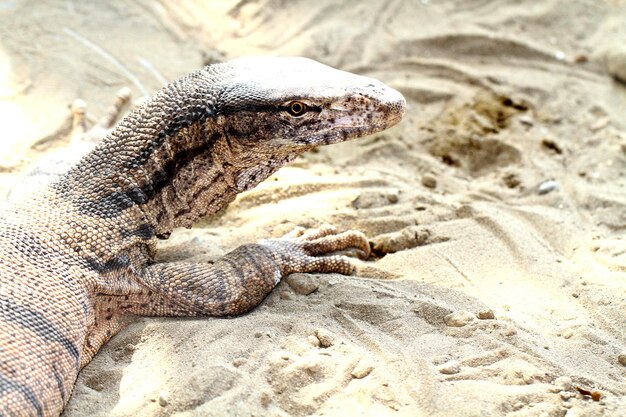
(79, 255)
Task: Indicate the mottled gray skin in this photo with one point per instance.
(80, 255)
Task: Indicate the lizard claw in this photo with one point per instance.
(296, 232)
(79, 118)
(114, 111)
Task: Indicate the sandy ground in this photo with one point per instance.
(498, 206)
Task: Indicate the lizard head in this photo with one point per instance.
(287, 105)
(221, 130)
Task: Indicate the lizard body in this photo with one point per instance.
(79, 256)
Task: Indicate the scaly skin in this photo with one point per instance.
(77, 257)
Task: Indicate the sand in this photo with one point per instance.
(497, 207)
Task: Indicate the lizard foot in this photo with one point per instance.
(311, 250)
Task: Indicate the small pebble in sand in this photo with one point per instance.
(95, 384)
(313, 341)
(326, 338)
(600, 124)
(393, 198)
(362, 369)
(266, 399)
(450, 369)
(302, 284)
(621, 358)
(509, 331)
(285, 295)
(564, 383)
(459, 318)
(374, 199)
(552, 146)
(237, 362)
(486, 315)
(440, 359)
(595, 395)
(511, 180)
(519, 405)
(547, 187)
(163, 399)
(616, 62)
(465, 211)
(429, 181)
(581, 59)
(526, 120)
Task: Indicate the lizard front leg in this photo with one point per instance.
(244, 277)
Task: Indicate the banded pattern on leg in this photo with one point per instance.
(233, 285)
(244, 277)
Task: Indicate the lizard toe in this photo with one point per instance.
(328, 264)
(351, 239)
(319, 232)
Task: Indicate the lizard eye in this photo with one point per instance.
(296, 108)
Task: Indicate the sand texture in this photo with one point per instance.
(497, 207)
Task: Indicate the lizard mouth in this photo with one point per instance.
(384, 116)
(343, 133)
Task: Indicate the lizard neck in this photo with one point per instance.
(169, 162)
